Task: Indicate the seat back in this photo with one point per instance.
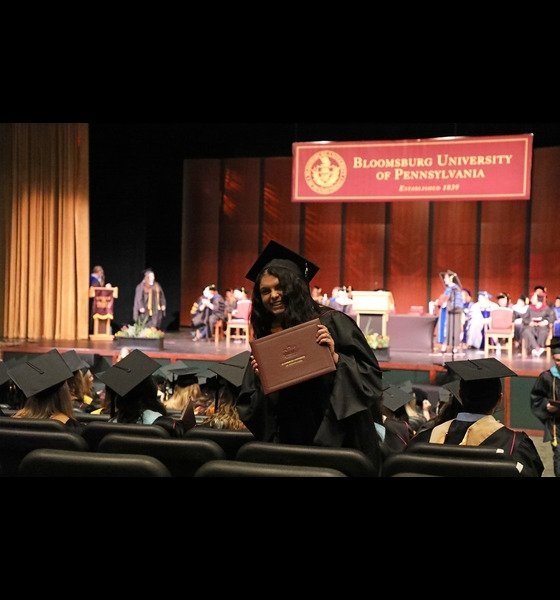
(349, 461)
(64, 463)
(42, 424)
(89, 418)
(501, 326)
(240, 322)
(15, 444)
(409, 462)
(243, 309)
(229, 441)
(233, 468)
(463, 452)
(182, 457)
(96, 431)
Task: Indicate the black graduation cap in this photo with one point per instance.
(3, 373)
(233, 369)
(453, 388)
(74, 361)
(129, 372)
(40, 373)
(182, 374)
(276, 255)
(554, 344)
(482, 368)
(394, 397)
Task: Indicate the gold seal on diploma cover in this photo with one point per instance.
(325, 172)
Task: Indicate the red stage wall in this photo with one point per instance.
(233, 207)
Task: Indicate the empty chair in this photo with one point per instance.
(88, 417)
(42, 424)
(64, 463)
(409, 462)
(234, 468)
(349, 461)
(241, 322)
(15, 444)
(96, 431)
(501, 326)
(227, 439)
(453, 451)
(181, 457)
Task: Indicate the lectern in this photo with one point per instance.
(372, 310)
(102, 311)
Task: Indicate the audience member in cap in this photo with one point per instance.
(223, 414)
(537, 322)
(81, 383)
(149, 301)
(211, 308)
(43, 380)
(397, 429)
(134, 394)
(480, 390)
(447, 409)
(339, 409)
(545, 403)
(185, 389)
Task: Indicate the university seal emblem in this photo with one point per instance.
(325, 172)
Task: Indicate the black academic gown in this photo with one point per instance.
(541, 394)
(516, 444)
(330, 410)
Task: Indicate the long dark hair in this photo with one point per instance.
(129, 408)
(299, 306)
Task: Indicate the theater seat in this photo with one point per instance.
(227, 439)
(452, 451)
(96, 431)
(42, 424)
(232, 468)
(349, 461)
(182, 457)
(15, 444)
(64, 463)
(409, 462)
(84, 417)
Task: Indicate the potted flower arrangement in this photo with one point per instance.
(380, 345)
(139, 336)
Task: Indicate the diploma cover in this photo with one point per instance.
(291, 356)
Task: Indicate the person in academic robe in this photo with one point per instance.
(133, 394)
(545, 403)
(339, 409)
(480, 391)
(149, 300)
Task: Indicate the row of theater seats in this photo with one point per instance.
(109, 449)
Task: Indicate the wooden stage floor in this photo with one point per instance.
(180, 346)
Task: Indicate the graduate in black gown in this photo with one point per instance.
(480, 391)
(339, 409)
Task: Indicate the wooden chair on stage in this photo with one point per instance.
(501, 327)
(240, 323)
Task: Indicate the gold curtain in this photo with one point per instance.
(44, 236)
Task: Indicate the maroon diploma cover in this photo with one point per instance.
(291, 356)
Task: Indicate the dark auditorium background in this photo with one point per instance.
(197, 202)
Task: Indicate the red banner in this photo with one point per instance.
(474, 168)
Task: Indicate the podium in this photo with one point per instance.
(102, 311)
(372, 310)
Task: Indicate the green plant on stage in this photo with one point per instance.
(139, 330)
(376, 340)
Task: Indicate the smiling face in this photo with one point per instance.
(271, 294)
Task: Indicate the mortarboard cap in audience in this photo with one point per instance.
(394, 397)
(182, 375)
(233, 369)
(276, 255)
(129, 372)
(406, 386)
(554, 345)
(3, 373)
(453, 388)
(40, 373)
(482, 368)
(74, 361)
